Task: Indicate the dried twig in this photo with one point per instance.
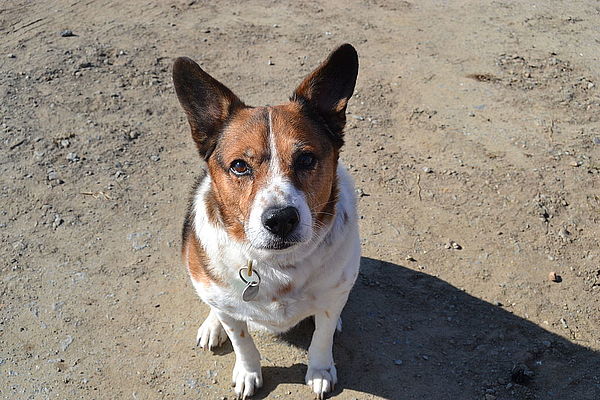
(419, 186)
(97, 194)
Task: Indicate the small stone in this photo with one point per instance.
(410, 258)
(456, 246)
(72, 157)
(425, 357)
(398, 362)
(65, 143)
(427, 170)
(52, 175)
(575, 164)
(554, 277)
(57, 221)
(270, 62)
(139, 240)
(67, 33)
(66, 343)
(564, 323)
(596, 140)
(521, 374)
(590, 85)
(155, 158)
(11, 55)
(361, 193)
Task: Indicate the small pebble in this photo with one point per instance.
(564, 323)
(154, 158)
(11, 55)
(72, 157)
(453, 245)
(427, 170)
(67, 33)
(554, 277)
(57, 221)
(398, 362)
(575, 164)
(596, 140)
(410, 258)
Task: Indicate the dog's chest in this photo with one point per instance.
(285, 297)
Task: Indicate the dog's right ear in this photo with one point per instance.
(207, 102)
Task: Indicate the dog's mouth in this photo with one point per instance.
(278, 245)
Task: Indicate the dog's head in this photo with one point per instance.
(273, 169)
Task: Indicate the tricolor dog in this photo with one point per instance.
(271, 236)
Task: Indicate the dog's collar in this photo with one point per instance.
(251, 279)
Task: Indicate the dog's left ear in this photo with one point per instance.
(328, 88)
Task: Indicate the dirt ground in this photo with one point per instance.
(474, 139)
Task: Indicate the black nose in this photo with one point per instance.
(281, 221)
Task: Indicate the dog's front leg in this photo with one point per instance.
(247, 376)
(322, 375)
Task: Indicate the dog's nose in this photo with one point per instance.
(281, 221)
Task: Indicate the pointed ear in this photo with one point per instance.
(328, 88)
(207, 102)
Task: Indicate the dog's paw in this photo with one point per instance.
(246, 381)
(321, 381)
(210, 334)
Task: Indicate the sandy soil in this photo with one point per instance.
(475, 123)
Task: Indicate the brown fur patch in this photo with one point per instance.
(285, 289)
(198, 263)
(212, 208)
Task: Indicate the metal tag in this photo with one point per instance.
(252, 279)
(250, 292)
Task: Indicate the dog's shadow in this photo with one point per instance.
(409, 335)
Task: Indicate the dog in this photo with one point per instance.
(271, 233)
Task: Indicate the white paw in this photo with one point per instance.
(210, 334)
(246, 381)
(321, 381)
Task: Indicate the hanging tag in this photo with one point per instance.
(252, 280)
(250, 292)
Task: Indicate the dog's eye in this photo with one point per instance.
(240, 168)
(305, 161)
